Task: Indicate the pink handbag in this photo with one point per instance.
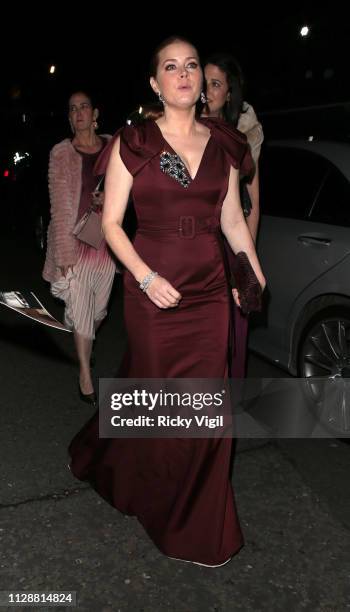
(89, 229)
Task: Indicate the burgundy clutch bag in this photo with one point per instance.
(243, 279)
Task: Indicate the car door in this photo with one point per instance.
(295, 247)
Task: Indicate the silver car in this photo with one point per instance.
(304, 249)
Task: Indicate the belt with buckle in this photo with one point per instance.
(186, 226)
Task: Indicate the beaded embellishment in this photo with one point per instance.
(174, 167)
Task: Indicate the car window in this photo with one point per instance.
(290, 179)
(333, 202)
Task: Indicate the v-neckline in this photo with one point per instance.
(180, 158)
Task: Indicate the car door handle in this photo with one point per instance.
(314, 240)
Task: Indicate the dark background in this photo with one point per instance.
(106, 48)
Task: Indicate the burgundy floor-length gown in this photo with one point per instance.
(239, 329)
(179, 489)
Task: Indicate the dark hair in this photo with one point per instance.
(235, 80)
(90, 96)
(168, 41)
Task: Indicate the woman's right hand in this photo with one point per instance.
(162, 293)
(97, 201)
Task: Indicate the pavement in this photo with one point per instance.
(56, 534)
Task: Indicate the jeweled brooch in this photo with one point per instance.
(174, 167)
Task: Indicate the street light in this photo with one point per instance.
(52, 69)
(305, 31)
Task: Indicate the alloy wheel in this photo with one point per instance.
(324, 362)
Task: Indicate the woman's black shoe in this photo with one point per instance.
(88, 398)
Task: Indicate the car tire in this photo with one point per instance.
(324, 364)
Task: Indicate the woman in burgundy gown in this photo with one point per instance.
(183, 174)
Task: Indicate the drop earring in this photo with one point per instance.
(161, 99)
(95, 124)
(203, 97)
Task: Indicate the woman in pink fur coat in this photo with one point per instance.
(79, 275)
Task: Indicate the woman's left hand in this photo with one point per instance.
(235, 295)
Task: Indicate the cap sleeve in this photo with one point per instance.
(138, 145)
(233, 143)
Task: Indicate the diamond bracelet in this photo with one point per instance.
(145, 283)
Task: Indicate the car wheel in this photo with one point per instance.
(324, 362)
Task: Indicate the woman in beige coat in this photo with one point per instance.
(80, 275)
